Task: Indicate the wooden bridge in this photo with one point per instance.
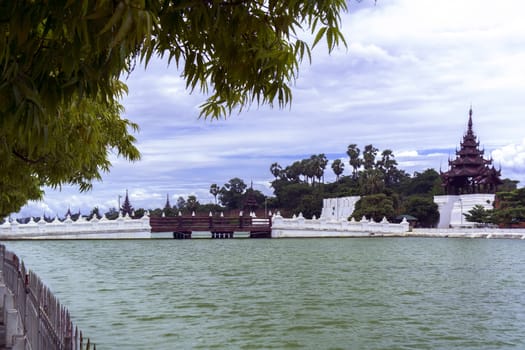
(219, 227)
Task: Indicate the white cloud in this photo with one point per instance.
(511, 156)
(406, 154)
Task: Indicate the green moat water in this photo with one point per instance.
(289, 294)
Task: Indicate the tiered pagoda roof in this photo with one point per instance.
(470, 172)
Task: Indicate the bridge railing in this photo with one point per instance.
(45, 323)
(207, 223)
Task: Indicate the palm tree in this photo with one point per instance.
(355, 162)
(192, 203)
(338, 167)
(369, 157)
(322, 162)
(276, 170)
(214, 190)
(387, 165)
(294, 171)
(309, 168)
(371, 182)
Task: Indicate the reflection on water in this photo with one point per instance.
(289, 294)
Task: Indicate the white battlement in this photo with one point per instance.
(122, 227)
(298, 226)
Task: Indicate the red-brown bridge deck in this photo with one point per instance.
(220, 227)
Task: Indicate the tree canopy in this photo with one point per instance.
(478, 214)
(386, 190)
(61, 63)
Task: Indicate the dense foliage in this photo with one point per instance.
(510, 208)
(386, 190)
(479, 214)
(61, 61)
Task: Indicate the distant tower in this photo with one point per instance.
(470, 172)
(126, 208)
(250, 201)
(167, 205)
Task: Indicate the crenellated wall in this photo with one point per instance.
(120, 228)
(299, 227)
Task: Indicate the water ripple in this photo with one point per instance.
(289, 294)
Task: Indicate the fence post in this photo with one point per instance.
(34, 318)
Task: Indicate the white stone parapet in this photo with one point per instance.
(467, 232)
(300, 227)
(120, 228)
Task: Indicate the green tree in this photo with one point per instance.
(369, 157)
(215, 209)
(310, 205)
(387, 165)
(509, 207)
(231, 194)
(60, 64)
(276, 170)
(72, 148)
(157, 212)
(294, 171)
(375, 206)
(112, 214)
(478, 214)
(424, 209)
(214, 190)
(289, 194)
(355, 162)
(508, 185)
(181, 203)
(95, 212)
(320, 166)
(426, 183)
(371, 181)
(192, 204)
(338, 167)
(139, 213)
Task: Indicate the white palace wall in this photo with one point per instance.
(120, 228)
(299, 227)
(452, 208)
(338, 208)
(334, 223)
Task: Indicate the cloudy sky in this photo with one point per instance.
(410, 73)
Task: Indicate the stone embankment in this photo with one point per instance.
(480, 232)
(299, 227)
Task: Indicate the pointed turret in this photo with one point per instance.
(126, 208)
(167, 205)
(68, 213)
(250, 202)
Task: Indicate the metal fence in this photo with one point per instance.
(47, 324)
